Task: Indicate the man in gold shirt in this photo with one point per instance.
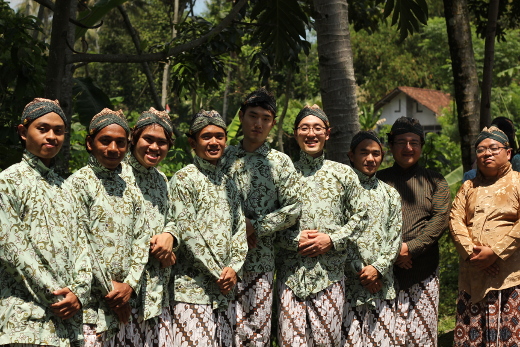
(484, 223)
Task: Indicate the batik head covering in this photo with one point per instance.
(205, 118)
(40, 107)
(313, 110)
(260, 97)
(105, 118)
(363, 135)
(153, 116)
(405, 125)
(492, 133)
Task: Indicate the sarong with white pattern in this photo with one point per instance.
(314, 321)
(155, 332)
(253, 302)
(200, 325)
(417, 313)
(369, 326)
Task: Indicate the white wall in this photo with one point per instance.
(391, 111)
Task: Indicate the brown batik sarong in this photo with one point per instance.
(253, 303)
(156, 332)
(368, 326)
(315, 321)
(491, 322)
(417, 313)
(200, 325)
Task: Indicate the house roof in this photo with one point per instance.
(435, 100)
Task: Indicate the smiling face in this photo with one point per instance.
(367, 157)
(257, 122)
(209, 143)
(44, 136)
(151, 147)
(406, 149)
(305, 134)
(109, 145)
(488, 163)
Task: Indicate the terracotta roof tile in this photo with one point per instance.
(434, 100)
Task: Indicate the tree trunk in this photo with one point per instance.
(465, 77)
(166, 72)
(59, 75)
(337, 81)
(489, 55)
(279, 129)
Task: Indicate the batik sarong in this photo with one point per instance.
(369, 326)
(491, 322)
(200, 325)
(253, 303)
(314, 321)
(417, 313)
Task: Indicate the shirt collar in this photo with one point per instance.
(132, 161)
(98, 168)
(36, 163)
(308, 161)
(205, 165)
(263, 150)
(364, 179)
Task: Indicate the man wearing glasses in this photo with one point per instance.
(425, 199)
(311, 257)
(484, 223)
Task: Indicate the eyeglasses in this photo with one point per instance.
(317, 130)
(494, 150)
(403, 143)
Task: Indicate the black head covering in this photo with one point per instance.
(405, 125)
(363, 135)
(260, 97)
(313, 110)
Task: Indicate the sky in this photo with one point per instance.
(200, 5)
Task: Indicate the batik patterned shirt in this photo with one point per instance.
(42, 248)
(378, 244)
(268, 185)
(332, 203)
(209, 227)
(153, 186)
(118, 233)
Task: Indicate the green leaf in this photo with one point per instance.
(96, 14)
(89, 99)
(455, 176)
(233, 127)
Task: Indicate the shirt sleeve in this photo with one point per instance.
(433, 229)
(20, 257)
(185, 218)
(239, 239)
(510, 242)
(290, 207)
(82, 271)
(390, 249)
(355, 210)
(140, 248)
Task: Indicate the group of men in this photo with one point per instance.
(118, 256)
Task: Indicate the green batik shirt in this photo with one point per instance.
(332, 203)
(209, 227)
(119, 232)
(268, 185)
(42, 248)
(379, 243)
(153, 186)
